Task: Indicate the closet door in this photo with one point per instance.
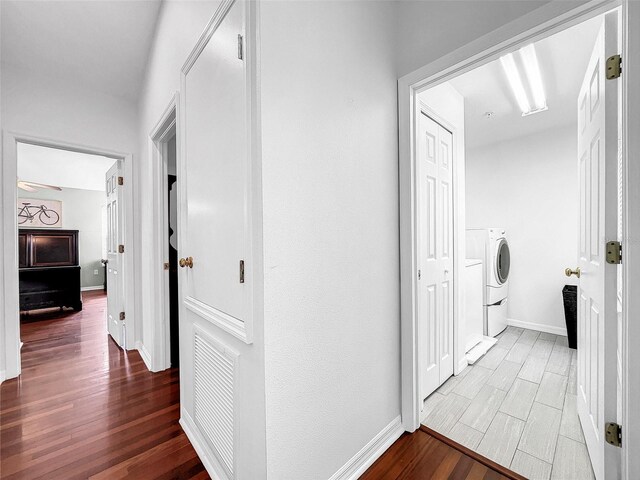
(216, 175)
(220, 369)
(435, 253)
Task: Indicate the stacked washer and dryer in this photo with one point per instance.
(490, 245)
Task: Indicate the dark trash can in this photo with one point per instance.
(570, 299)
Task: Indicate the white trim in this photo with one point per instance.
(630, 333)
(206, 35)
(164, 129)
(362, 460)
(89, 289)
(541, 23)
(11, 319)
(206, 455)
(144, 354)
(538, 327)
(2, 376)
(222, 320)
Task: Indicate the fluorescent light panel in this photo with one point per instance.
(532, 68)
(534, 78)
(515, 81)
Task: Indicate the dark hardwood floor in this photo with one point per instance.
(425, 454)
(83, 408)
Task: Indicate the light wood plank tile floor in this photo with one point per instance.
(516, 406)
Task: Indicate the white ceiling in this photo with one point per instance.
(103, 44)
(62, 168)
(563, 60)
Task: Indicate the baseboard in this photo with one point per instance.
(362, 460)
(146, 358)
(538, 327)
(208, 459)
(88, 289)
(462, 364)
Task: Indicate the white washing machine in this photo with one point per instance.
(491, 245)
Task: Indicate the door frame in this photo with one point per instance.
(538, 24)
(167, 126)
(10, 320)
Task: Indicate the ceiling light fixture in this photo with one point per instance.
(530, 60)
(533, 76)
(513, 75)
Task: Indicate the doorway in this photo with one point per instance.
(487, 379)
(166, 329)
(172, 222)
(65, 222)
(30, 243)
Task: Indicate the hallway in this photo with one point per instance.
(83, 408)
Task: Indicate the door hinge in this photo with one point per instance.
(614, 252)
(122, 315)
(166, 265)
(120, 248)
(614, 67)
(613, 434)
(120, 180)
(241, 271)
(419, 274)
(240, 47)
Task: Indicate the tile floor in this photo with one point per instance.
(517, 406)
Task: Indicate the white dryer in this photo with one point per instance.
(491, 245)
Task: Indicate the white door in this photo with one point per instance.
(115, 293)
(597, 160)
(214, 239)
(435, 253)
(215, 176)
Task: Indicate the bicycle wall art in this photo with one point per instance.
(34, 212)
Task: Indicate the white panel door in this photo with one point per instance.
(597, 166)
(216, 152)
(115, 286)
(435, 253)
(214, 242)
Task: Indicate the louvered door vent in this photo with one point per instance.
(213, 398)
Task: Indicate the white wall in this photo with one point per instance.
(59, 109)
(330, 179)
(529, 186)
(428, 30)
(82, 211)
(179, 26)
(62, 110)
(62, 168)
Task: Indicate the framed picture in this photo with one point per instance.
(35, 212)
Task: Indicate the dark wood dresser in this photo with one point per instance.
(49, 270)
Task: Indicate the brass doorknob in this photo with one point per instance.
(186, 262)
(568, 272)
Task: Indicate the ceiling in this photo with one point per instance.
(101, 44)
(62, 168)
(563, 60)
